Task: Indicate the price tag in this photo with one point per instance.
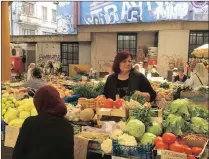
(165, 154)
(11, 134)
(105, 109)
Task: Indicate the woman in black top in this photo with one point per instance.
(125, 81)
(48, 135)
(181, 77)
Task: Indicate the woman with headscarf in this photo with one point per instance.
(199, 77)
(30, 68)
(48, 135)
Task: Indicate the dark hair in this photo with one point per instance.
(121, 55)
(37, 73)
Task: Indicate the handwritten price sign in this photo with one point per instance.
(165, 154)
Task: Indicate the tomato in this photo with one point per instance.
(158, 139)
(176, 148)
(108, 103)
(191, 157)
(196, 150)
(187, 150)
(180, 141)
(161, 145)
(118, 103)
(169, 138)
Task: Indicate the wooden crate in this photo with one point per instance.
(90, 103)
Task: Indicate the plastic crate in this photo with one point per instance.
(141, 151)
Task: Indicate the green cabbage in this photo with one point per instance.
(199, 125)
(135, 128)
(155, 129)
(147, 138)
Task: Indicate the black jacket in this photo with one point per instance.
(45, 137)
(176, 78)
(137, 81)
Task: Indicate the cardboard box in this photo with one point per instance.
(11, 135)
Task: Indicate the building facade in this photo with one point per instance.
(104, 28)
(33, 18)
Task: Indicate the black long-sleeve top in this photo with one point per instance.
(136, 81)
(45, 137)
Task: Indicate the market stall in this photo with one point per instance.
(128, 127)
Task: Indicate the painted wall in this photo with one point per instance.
(103, 50)
(128, 12)
(85, 53)
(47, 51)
(172, 45)
(65, 18)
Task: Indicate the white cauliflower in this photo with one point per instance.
(106, 146)
(127, 140)
(116, 133)
(121, 125)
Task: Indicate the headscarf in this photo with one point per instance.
(47, 100)
(30, 68)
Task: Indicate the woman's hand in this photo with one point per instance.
(144, 94)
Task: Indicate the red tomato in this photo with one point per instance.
(180, 141)
(196, 150)
(176, 148)
(187, 150)
(158, 139)
(161, 145)
(118, 103)
(191, 157)
(109, 103)
(169, 138)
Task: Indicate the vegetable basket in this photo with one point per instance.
(87, 103)
(141, 151)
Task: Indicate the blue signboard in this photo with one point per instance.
(130, 12)
(65, 18)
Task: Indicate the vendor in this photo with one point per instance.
(36, 81)
(199, 76)
(125, 80)
(181, 77)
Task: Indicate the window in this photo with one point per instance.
(44, 13)
(156, 39)
(54, 15)
(28, 31)
(127, 42)
(48, 33)
(69, 55)
(28, 8)
(196, 39)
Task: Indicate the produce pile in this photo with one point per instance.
(88, 91)
(183, 116)
(132, 133)
(169, 141)
(62, 90)
(164, 90)
(15, 112)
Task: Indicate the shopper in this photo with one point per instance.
(36, 80)
(30, 68)
(181, 77)
(199, 77)
(175, 73)
(125, 80)
(48, 135)
(139, 68)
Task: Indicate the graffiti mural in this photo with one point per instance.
(129, 12)
(45, 58)
(65, 18)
